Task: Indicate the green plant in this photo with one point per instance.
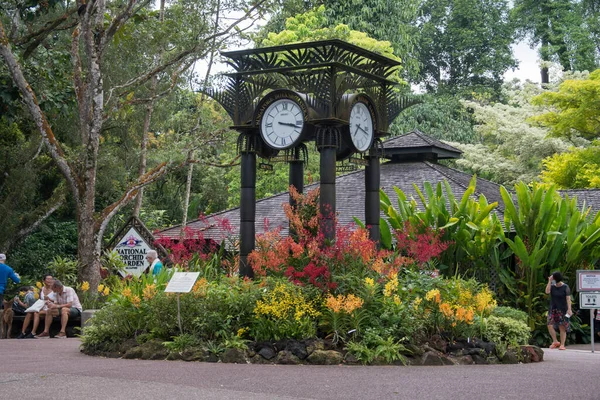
(64, 269)
(214, 347)
(182, 342)
(506, 330)
(509, 312)
(374, 347)
(113, 263)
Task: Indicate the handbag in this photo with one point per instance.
(37, 306)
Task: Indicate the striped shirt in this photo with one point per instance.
(68, 295)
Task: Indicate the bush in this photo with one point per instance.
(506, 330)
(509, 312)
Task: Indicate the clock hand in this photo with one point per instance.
(361, 128)
(289, 124)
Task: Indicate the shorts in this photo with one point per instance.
(557, 319)
(74, 312)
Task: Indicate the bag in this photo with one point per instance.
(17, 308)
(37, 306)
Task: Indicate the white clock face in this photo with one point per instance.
(361, 127)
(282, 123)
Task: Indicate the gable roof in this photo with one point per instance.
(588, 198)
(418, 143)
(350, 198)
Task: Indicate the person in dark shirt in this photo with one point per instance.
(559, 312)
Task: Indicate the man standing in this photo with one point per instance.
(155, 264)
(5, 273)
(66, 305)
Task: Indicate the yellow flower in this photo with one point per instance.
(85, 286)
(149, 291)
(21, 294)
(100, 288)
(369, 282)
(135, 300)
(397, 300)
(126, 292)
(390, 287)
(241, 331)
(446, 309)
(36, 295)
(106, 291)
(39, 285)
(484, 301)
(417, 302)
(433, 294)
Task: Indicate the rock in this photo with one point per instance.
(534, 353)
(153, 350)
(287, 358)
(134, 352)
(325, 357)
(463, 360)
(414, 361)
(234, 356)
(510, 357)
(438, 343)
(413, 350)
(298, 349)
(267, 352)
(314, 344)
(489, 347)
(193, 355)
(259, 360)
(350, 359)
(174, 355)
(431, 358)
(479, 359)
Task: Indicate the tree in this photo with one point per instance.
(578, 168)
(464, 43)
(509, 149)
(93, 31)
(566, 31)
(574, 108)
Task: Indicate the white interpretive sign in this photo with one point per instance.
(588, 281)
(182, 282)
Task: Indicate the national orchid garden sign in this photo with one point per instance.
(132, 243)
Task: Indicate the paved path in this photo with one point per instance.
(31, 368)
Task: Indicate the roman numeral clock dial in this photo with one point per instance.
(361, 127)
(282, 123)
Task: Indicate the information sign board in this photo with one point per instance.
(589, 300)
(182, 282)
(588, 281)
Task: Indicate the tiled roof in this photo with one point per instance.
(350, 198)
(590, 198)
(416, 140)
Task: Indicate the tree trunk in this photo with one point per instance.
(188, 191)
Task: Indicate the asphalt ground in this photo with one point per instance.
(55, 369)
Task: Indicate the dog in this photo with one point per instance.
(7, 320)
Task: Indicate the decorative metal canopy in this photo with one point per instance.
(323, 71)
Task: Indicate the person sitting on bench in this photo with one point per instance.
(67, 305)
(45, 294)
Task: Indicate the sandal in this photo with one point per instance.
(562, 348)
(554, 345)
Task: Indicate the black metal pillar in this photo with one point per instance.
(247, 210)
(328, 139)
(372, 184)
(296, 178)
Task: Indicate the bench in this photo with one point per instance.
(73, 326)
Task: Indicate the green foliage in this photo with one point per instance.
(64, 269)
(467, 224)
(34, 253)
(578, 168)
(373, 347)
(439, 116)
(509, 312)
(506, 330)
(464, 44)
(182, 342)
(508, 149)
(574, 108)
(551, 233)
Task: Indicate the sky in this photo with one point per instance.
(528, 64)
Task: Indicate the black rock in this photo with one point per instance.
(267, 352)
(298, 349)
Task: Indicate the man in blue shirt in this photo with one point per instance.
(5, 273)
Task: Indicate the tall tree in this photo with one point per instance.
(93, 30)
(566, 31)
(464, 43)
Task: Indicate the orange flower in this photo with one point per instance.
(446, 309)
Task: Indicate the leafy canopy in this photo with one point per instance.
(579, 168)
(575, 108)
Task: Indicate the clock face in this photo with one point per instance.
(361, 126)
(282, 123)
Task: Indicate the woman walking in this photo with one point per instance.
(559, 312)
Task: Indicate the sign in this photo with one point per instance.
(589, 299)
(182, 282)
(588, 281)
(133, 249)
